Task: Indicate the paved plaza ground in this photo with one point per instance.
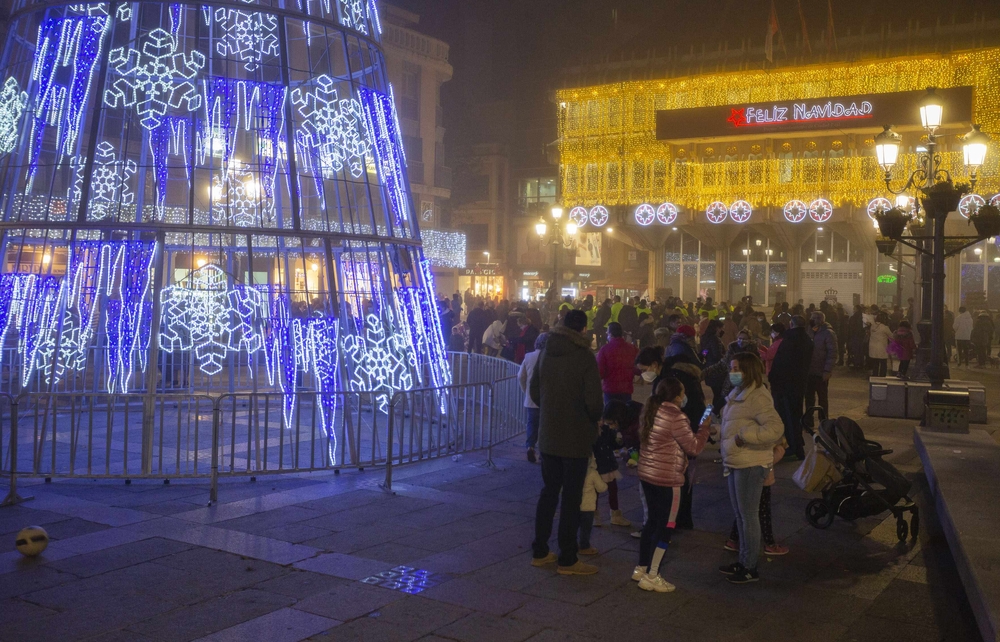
(312, 557)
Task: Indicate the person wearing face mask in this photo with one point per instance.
(667, 441)
(717, 374)
(750, 429)
(777, 330)
(824, 356)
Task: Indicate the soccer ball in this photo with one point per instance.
(32, 540)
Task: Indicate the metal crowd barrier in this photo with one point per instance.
(175, 435)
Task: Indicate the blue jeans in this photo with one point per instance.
(616, 396)
(532, 429)
(745, 487)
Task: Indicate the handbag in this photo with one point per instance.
(817, 471)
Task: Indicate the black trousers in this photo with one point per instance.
(879, 367)
(789, 407)
(560, 475)
(964, 351)
(663, 502)
(816, 387)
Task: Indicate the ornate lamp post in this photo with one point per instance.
(558, 238)
(939, 196)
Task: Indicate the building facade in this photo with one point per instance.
(418, 65)
(763, 183)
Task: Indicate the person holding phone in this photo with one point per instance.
(750, 429)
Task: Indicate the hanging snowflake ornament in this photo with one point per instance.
(579, 215)
(879, 203)
(12, 104)
(820, 210)
(333, 132)
(237, 199)
(381, 360)
(206, 316)
(667, 213)
(969, 204)
(109, 183)
(645, 214)
(248, 36)
(155, 79)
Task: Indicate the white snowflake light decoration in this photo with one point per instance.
(247, 36)
(237, 198)
(353, 14)
(155, 79)
(382, 360)
(209, 318)
(12, 104)
(333, 131)
(109, 182)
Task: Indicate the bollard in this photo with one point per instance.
(213, 493)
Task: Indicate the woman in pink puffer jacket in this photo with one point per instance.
(666, 442)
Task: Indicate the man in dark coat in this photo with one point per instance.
(566, 386)
(602, 317)
(789, 372)
(478, 321)
(629, 319)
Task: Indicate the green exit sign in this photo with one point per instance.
(886, 278)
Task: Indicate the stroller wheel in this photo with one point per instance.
(819, 514)
(902, 530)
(914, 524)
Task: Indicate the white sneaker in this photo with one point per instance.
(638, 573)
(655, 583)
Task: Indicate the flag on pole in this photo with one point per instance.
(805, 30)
(772, 29)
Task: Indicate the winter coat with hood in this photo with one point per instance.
(791, 363)
(824, 355)
(592, 486)
(878, 341)
(616, 365)
(750, 413)
(982, 330)
(680, 346)
(664, 457)
(963, 327)
(567, 388)
(689, 374)
(712, 348)
(903, 344)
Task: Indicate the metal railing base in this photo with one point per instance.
(13, 499)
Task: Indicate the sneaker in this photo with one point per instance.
(590, 550)
(531, 455)
(631, 463)
(655, 583)
(732, 545)
(731, 569)
(775, 549)
(745, 576)
(577, 569)
(542, 561)
(617, 519)
(638, 573)
(636, 534)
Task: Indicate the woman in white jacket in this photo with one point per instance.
(878, 346)
(750, 429)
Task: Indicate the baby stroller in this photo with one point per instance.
(869, 485)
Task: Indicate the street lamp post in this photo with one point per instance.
(939, 197)
(558, 238)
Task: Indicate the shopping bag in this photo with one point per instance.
(816, 472)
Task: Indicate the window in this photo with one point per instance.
(477, 236)
(537, 190)
(472, 188)
(690, 267)
(414, 148)
(409, 99)
(758, 268)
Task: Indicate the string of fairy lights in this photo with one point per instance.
(610, 154)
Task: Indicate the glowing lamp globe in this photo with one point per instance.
(974, 146)
(31, 541)
(931, 110)
(887, 148)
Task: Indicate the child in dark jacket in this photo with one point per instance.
(609, 440)
(902, 347)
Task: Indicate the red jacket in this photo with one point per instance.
(664, 457)
(616, 363)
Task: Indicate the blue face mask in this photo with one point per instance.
(736, 378)
(684, 401)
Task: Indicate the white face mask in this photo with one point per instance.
(649, 376)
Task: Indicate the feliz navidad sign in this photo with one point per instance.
(833, 113)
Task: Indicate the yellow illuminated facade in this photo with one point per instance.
(610, 154)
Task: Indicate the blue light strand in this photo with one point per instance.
(323, 336)
(166, 138)
(389, 159)
(74, 42)
(124, 323)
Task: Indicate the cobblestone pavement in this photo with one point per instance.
(446, 556)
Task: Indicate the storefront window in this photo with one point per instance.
(757, 268)
(981, 274)
(690, 267)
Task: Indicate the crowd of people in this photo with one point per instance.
(738, 375)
